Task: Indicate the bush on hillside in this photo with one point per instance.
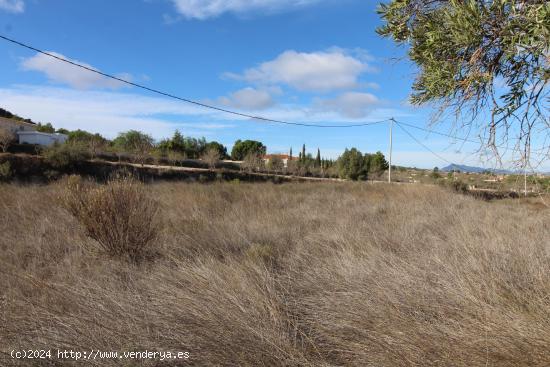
(456, 186)
(252, 163)
(65, 156)
(211, 157)
(120, 215)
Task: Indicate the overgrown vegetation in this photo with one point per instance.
(65, 156)
(286, 275)
(138, 147)
(354, 165)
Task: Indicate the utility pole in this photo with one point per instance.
(391, 147)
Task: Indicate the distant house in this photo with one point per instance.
(39, 138)
(26, 133)
(283, 157)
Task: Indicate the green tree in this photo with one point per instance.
(218, 147)
(135, 142)
(46, 128)
(376, 163)
(190, 147)
(241, 149)
(174, 144)
(318, 159)
(177, 143)
(478, 56)
(352, 165)
(93, 142)
(303, 153)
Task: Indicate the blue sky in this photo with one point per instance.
(297, 60)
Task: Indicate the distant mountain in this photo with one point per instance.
(470, 169)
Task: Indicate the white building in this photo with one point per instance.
(38, 138)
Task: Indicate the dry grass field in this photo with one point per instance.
(312, 274)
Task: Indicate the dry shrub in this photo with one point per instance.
(121, 215)
(211, 157)
(6, 138)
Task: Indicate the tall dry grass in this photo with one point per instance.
(287, 275)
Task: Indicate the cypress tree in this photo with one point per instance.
(318, 159)
(303, 152)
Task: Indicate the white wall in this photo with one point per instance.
(41, 138)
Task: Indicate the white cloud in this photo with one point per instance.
(354, 105)
(12, 6)
(249, 99)
(317, 71)
(109, 112)
(61, 72)
(204, 9)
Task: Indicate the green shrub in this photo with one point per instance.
(63, 156)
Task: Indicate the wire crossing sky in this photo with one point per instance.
(310, 73)
(169, 95)
(260, 118)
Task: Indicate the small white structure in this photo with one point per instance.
(38, 138)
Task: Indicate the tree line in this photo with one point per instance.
(352, 164)
(141, 148)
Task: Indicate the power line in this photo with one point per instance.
(220, 109)
(506, 146)
(422, 144)
(437, 132)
